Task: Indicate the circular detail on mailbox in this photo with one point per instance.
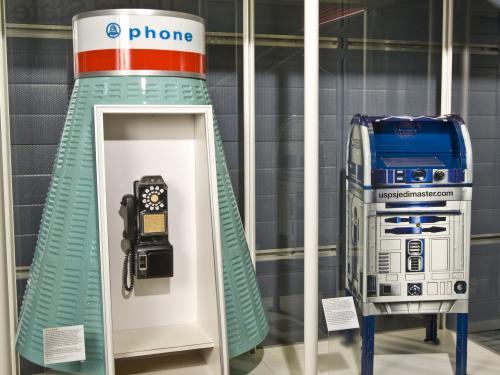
(460, 287)
(439, 175)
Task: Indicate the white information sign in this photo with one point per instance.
(63, 344)
(340, 313)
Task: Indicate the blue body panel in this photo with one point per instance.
(415, 137)
(403, 145)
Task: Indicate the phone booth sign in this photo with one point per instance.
(146, 43)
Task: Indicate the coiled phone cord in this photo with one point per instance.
(129, 268)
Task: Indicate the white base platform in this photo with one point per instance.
(159, 340)
(168, 325)
(399, 352)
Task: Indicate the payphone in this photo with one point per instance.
(149, 252)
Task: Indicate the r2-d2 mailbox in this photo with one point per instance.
(409, 190)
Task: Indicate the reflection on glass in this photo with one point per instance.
(377, 57)
(475, 91)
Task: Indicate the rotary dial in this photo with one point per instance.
(151, 198)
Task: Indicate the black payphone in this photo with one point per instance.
(149, 253)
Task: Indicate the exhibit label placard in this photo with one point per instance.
(340, 313)
(63, 344)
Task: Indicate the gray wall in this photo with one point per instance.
(280, 148)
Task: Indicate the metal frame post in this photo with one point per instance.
(311, 173)
(446, 75)
(8, 305)
(365, 60)
(464, 108)
(447, 57)
(429, 57)
(249, 122)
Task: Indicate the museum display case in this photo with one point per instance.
(397, 59)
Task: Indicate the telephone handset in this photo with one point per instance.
(149, 252)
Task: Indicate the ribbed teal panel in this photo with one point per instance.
(64, 285)
(246, 321)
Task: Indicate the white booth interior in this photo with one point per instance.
(182, 316)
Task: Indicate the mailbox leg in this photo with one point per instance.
(461, 350)
(368, 345)
(431, 329)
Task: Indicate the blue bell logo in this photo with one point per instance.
(113, 30)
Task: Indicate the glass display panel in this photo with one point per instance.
(475, 96)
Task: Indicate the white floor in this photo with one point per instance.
(396, 353)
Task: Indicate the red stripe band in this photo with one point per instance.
(139, 59)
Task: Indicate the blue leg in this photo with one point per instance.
(431, 329)
(368, 345)
(461, 353)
